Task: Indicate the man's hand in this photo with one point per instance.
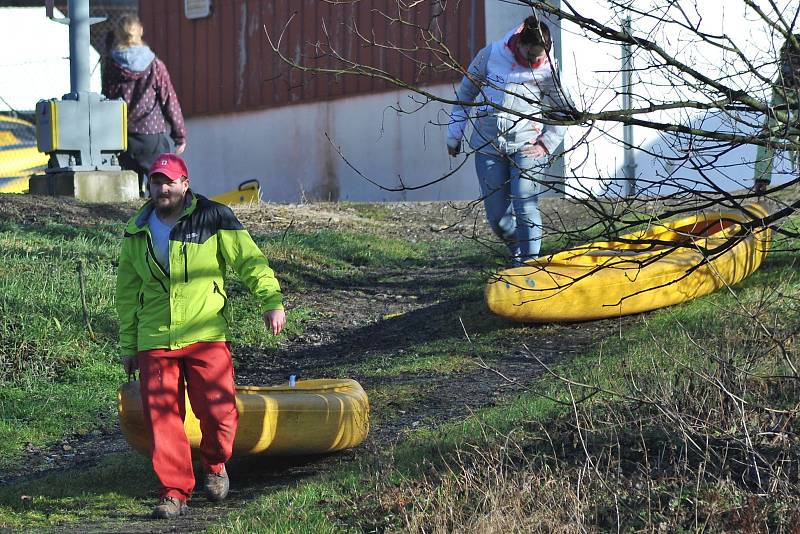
(180, 148)
(275, 320)
(535, 150)
(760, 188)
(130, 364)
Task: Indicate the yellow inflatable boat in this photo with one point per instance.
(314, 416)
(659, 266)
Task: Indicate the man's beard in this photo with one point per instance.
(167, 208)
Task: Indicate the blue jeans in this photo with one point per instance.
(510, 185)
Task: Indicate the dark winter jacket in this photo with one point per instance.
(138, 77)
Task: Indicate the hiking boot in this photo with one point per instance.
(170, 508)
(217, 485)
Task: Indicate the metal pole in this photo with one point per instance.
(79, 46)
(629, 162)
(557, 169)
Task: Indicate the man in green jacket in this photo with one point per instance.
(174, 325)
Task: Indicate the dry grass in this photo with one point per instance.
(488, 492)
(690, 425)
(510, 489)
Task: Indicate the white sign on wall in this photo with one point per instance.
(196, 9)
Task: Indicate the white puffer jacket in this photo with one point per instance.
(506, 90)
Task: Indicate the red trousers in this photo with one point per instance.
(206, 369)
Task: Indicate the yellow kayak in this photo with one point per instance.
(314, 416)
(656, 267)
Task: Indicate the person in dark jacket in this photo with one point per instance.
(133, 73)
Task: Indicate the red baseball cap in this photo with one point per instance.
(170, 165)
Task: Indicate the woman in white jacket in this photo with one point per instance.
(517, 94)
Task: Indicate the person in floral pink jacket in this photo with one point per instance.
(133, 73)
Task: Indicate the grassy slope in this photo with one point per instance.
(659, 350)
(56, 380)
(386, 491)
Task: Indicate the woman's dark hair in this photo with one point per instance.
(536, 33)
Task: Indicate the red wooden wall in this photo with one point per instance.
(224, 63)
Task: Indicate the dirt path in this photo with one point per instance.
(328, 343)
(388, 311)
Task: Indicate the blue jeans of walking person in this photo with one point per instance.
(510, 186)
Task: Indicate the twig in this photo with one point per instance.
(481, 363)
(286, 231)
(84, 306)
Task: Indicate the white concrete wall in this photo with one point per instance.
(34, 58)
(501, 16)
(287, 151)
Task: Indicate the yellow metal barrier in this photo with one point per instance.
(19, 157)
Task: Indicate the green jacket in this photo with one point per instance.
(159, 310)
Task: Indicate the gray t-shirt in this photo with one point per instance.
(160, 233)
